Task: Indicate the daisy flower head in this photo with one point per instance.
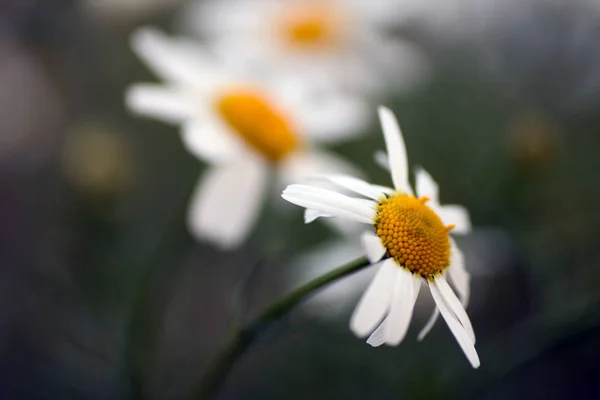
(410, 242)
(325, 42)
(241, 128)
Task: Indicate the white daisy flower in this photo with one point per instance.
(325, 42)
(410, 242)
(240, 128)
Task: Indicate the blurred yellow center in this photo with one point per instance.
(310, 26)
(413, 234)
(258, 123)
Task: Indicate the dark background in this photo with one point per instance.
(104, 294)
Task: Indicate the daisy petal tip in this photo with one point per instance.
(474, 360)
(144, 34)
(287, 198)
(383, 110)
(358, 328)
(312, 215)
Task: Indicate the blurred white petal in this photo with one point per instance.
(224, 17)
(211, 141)
(227, 202)
(177, 60)
(454, 214)
(404, 65)
(426, 186)
(159, 102)
(380, 157)
(161, 55)
(334, 119)
(300, 166)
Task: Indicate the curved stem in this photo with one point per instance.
(244, 338)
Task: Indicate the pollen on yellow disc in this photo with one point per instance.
(258, 123)
(413, 235)
(310, 25)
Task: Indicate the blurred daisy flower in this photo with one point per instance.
(241, 129)
(326, 42)
(410, 242)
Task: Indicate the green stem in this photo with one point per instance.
(243, 339)
(143, 327)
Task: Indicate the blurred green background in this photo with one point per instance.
(105, 295)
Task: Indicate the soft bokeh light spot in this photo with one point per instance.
(96, 160)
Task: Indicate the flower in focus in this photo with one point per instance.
(241, 129)
(326, 42)
(410, 242)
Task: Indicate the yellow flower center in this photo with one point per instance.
(413, 234)
(258, 123)
(311, 25)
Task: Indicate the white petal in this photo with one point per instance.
(302, 165)
(377, 338)
(357, 186)
(454, 304)
(461, 279)
(383, 189)
(329, 202)
(457, 215)
(429, 325)
(332, 118)
(381, 159)
(374, 304)
(159, 102)
(406, 290)
(311, 215)
(224, 17)
(180, 61)
(396, 150)
(373, 246)
(426, 186)
(227, 201)
(161, 54)
(459, 332)
(340, 226)
(344, 227)
(209, 140)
